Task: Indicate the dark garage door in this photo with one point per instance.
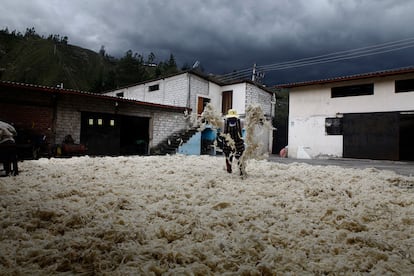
(100, 133)
(111, 134)
(407, 136)
(371, 135)
(134, 135)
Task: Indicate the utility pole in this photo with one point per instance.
(257, 76)
(254, 72)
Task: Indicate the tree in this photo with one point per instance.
(102, 51)
(171, 62)
(130, 69)
(168, 67)
(151, 58)
(185, 67)
(30, 32)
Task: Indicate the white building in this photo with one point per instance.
(194, 90)
(362, 116)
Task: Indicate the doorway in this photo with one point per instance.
(382, 135)
(100, 132)
(112, 134)
(407, 136)
(134, 135)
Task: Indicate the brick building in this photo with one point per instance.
(106, 125)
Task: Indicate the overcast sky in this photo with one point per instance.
(227, 35)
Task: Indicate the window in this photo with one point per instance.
(90, 122)
(333, 126)
(120, 94)
(404, 86)
(352, 90)
(100, 122)
(227, 101)
(154, 87)
(112, 122)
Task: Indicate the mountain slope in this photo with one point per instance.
(32, 59)
(45, 62)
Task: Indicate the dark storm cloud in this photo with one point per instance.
(227, 35)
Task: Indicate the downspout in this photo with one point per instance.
(189, 91)
(54, 117)
(272, 115)
(273, 106)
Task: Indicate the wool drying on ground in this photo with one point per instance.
(168, 215)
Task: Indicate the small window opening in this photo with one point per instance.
(154, 87)
(120, 94)
(352, 90)
(333, 126)
(404, 86)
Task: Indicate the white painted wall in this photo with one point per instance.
(215, 96)
(239, 96)
(310, 105)
(172, 91)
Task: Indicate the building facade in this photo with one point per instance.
(106, 125)
(363, 116)
(193, 90)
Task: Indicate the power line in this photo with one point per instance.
(366, 51)
(332, 57)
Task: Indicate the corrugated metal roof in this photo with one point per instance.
(64, 91)
(383, 73)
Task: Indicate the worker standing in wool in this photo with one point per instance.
(233, 144)
(8, 150)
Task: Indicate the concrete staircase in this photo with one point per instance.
(172, 142)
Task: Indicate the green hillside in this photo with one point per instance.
(30, 58)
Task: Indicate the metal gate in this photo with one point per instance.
(371, 135)
(100, 133)
(111, 134)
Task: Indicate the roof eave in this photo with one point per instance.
(63, 91)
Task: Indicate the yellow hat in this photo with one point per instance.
(232, 113)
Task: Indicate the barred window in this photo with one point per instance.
(333, 126)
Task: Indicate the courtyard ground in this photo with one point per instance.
(169, 215)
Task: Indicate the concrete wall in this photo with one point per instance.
(239, 96)
(172, 91)
(255, 95)
(198, 87)
(215, 96)
(310, 105)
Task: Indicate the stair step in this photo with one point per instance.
(172, 143)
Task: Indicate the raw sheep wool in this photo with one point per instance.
(255, 124)
(185, 215)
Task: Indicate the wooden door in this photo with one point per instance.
(227, 101)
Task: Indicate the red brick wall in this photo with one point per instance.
(37, 119)
(28, 110)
